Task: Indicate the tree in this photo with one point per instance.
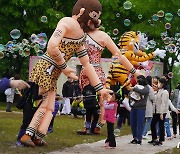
(28, 16)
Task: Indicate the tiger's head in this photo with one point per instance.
(131, 41)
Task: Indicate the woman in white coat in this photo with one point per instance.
(149, 107)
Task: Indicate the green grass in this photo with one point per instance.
(64, 134)
(174, 150)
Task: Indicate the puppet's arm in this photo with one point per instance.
(115, 51)
(90, 72)
(54, 51)
(132, 57)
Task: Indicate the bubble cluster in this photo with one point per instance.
(23, 48)
(127, 5)
(168, 16)
(43, 19)
(127, 22)
(15, 34)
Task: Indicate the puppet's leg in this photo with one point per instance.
(44, 124)
(35, 122)
(101, 122)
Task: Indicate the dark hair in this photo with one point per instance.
(164, 82)
(157, 77)
(166, 76)
(149, 80)
(141, 80)
(89, 5)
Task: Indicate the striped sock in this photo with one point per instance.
(39, 135)
(30, 131)
(99, 125)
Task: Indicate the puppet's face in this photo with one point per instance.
(89, 20)
(130, 41)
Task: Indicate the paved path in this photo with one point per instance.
(123, 147)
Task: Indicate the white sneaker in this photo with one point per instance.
(145, 137)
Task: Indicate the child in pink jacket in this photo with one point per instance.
(110, 117)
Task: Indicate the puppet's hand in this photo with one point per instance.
(105, 93)
(144, 64)
(160, 53)
(70, 73)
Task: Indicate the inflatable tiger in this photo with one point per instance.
(131, 45)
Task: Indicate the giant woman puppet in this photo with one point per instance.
(67, 39)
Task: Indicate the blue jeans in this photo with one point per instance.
(147, 125)
(137, 118)
(167, 127)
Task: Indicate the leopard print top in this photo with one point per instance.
(46, 72)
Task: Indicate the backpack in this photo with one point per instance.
(29, 95)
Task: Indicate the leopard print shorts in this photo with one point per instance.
(45, 75)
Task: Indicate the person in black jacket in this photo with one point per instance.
(67, 92)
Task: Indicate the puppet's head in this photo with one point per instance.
(130, 41)
(89, 20)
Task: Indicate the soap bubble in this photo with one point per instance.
(171, 48)
(117, 132)
(168, 16)
(40, 53)
(42, 39)
(151, 44)
(115, 31)
(44, 19)
(170, 75)
(25, 42)
(117, 15)
(36, 47)
(14, 56)
(127, 5)
(33, 38)
(163, 35)
(57, 15)
(155, 17)
(2, 48)
(127, 22)
(166, 40)
(15, 34)
(140, 16)
(178, 12)
(1, 55)
(167, 25)
(160, 13)
(177, 36)
(149, 21)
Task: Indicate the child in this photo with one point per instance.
(9, 97)
(135, 96)
(56, 109)
(110, 117)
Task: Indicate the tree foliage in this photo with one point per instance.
(25, 15)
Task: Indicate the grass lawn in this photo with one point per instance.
(64, 134)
